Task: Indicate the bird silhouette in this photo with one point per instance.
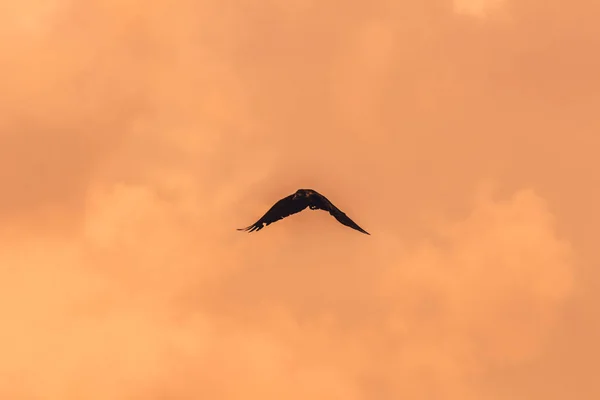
(294, 203)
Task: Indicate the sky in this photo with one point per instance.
(135, 137)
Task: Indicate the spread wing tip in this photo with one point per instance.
(250, 228)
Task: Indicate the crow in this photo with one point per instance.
(294, 203)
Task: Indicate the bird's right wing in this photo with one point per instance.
(346, 220)
(283, 208)
(325, 204)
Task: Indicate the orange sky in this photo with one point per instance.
(463, 136)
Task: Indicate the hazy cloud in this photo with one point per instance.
(135, 138)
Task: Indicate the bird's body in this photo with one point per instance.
(297, 202)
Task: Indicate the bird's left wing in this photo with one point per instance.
(283, 208)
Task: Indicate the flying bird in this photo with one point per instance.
(294, 203)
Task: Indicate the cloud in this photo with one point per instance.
(135, 306)
(136, 138)
(478, 8)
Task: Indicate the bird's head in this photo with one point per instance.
(300, 193)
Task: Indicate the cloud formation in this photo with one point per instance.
(134, 140)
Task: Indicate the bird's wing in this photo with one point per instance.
(324, 204)
(283, 208)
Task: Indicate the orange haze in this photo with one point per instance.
(135, 136)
